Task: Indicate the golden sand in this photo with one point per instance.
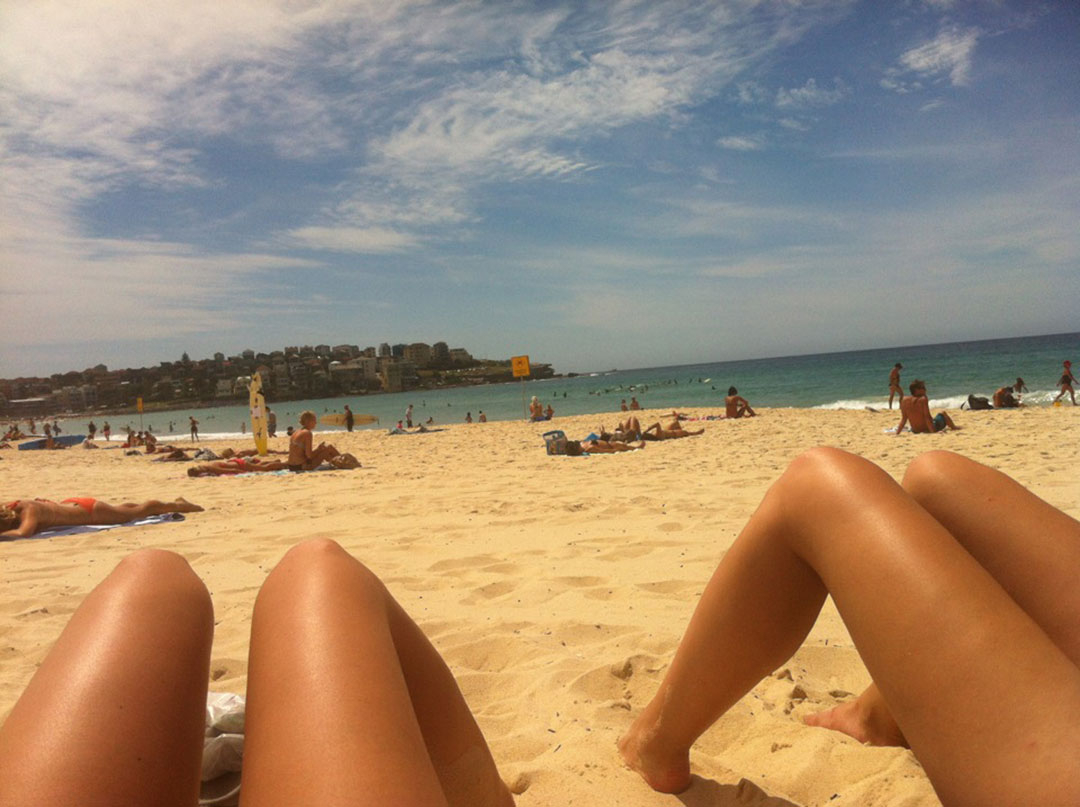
(556, 588)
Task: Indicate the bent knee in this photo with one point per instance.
(826, 477)
(156, 571)
(933, 472)
(322, 555)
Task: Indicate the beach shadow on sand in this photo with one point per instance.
(707, 793)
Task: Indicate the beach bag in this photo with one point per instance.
(555, 441)
(976, 403)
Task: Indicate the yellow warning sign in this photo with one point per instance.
(520, 364)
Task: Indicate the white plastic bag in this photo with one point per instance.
(223, 749)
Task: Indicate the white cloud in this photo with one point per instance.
(351, 239)
(948, 55)
(810, 95)
(736, 143)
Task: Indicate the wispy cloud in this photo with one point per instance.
(946, 56)
(811, 95)
(737, 143)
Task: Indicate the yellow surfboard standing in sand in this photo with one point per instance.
(258, 414)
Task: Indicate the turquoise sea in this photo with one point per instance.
(849, 380)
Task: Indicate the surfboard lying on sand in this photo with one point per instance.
(338, 419)
(63, 439)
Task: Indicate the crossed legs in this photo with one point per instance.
(346, 697)
(979, 686)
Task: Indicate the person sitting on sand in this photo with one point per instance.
(1003, 398)
(347, 700)
(970, 627)
(549, 413)
(915, 409)
(302, 457)
(736, 406)
(634, 405)
(673, 431)
(24, 517)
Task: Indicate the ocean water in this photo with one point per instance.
(850, 380)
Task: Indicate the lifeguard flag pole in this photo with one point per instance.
(520, 366)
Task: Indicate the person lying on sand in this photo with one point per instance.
(915, 409)
(236, 465)
(970, 627)
(736, 406)
(628, 430)
(253, 465)
(673, 431)
(302, 457)
(126, 682)
(24, 517)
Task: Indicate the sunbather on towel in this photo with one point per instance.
(237, 465)
(24, 517)
(970, 627)
(347, 700)
(628, 430)
(673, 431)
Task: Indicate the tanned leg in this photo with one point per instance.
(348, 702)
(1031, 548)
(115, 713)
(105, 513)
(987, 700)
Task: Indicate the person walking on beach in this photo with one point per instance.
(271, 423)
(1066, 383)
(915, 409)
(91, 429)
(349, 419)
(408, 416)
(194, 429)
(895, 390)
(106, 429)
(1019, 388)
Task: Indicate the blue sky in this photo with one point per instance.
(608, 184)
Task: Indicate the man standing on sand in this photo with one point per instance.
(408, 417)
(271, 423)
(894, 384)
(915, 409)
(349, 419)
(194, 429)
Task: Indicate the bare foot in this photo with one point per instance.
(183, 505)
(663, 772)
(867, 719)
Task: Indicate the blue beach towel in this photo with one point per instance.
(56, 532)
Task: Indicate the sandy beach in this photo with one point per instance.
(556, 588)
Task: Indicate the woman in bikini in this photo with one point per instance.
(24, 517)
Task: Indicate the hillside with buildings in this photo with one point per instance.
(292, 373)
